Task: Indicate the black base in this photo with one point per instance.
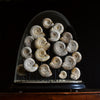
(47, 87)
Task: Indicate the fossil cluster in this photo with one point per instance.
(61, 43)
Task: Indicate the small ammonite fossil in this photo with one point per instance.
(60, 48)
(20, 70)
(26, 52)
(47, 23)
(75, 73)
(45, 71)
(69, 63)
(41, 42)
(63, 75)
(72, 46)
(41, 55)
(30, 65)
(67, 36)
(54, 36)
(28, 41)
(56, 62)
(37, 31)
(77, 56)
(58, 27)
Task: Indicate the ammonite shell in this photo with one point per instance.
(58, 27)
(75, 74)
(67, 36)
(72, 46)
(20, 70)
(45, 71)
(69, 63)
(36, 31)
(54, 36)
(41, 42)
(30, 65)
(41, 55)
(63, 75)
(47, 23)
(56, 62)
(28, 40)
(77, 56)
(26, 52)
(60, 48)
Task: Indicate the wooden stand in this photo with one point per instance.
(51, 96)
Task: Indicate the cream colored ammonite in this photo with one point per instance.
(26, 52)
(67, 36)
(41, 42)
(63, 75)
(58, 27)
(41, 55)
(47, 23)
(77, 56)
(75, 73)
(69, 63)
(20, 70)
(54, 36)
(45, 71)
(56, 62)
(30, 65)
(60, 48)
(37, 31)
(28, 41)
(72, 46)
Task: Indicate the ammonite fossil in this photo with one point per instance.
(77, 56)
(41, 42)
(28, 41)
(47, 23)
(26, 52)
(58, 27)
(69, 63)
(20, 70)
(36, 31)
(75, 73)
(41, 55)
(56, 62)
(30, 65)
(60, 48)
(45, 71)
(72, 46)
(63, 74)
(67, 36)
(54, 36)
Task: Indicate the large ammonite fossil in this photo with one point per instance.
(49, 47)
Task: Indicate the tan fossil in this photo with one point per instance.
(28, 41)
(63, 75)
(26, 52)
(56, 62)
(30, 65)
(54, 36)
(41, 42)
(69, 63)
(72, 46)
(75, 74)
(60, 48)
(45, 71)
(36, 31)
(47, 23)
(20, 70)
(58, 27)
(66, 37)
(41, 55)
(77, 56)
